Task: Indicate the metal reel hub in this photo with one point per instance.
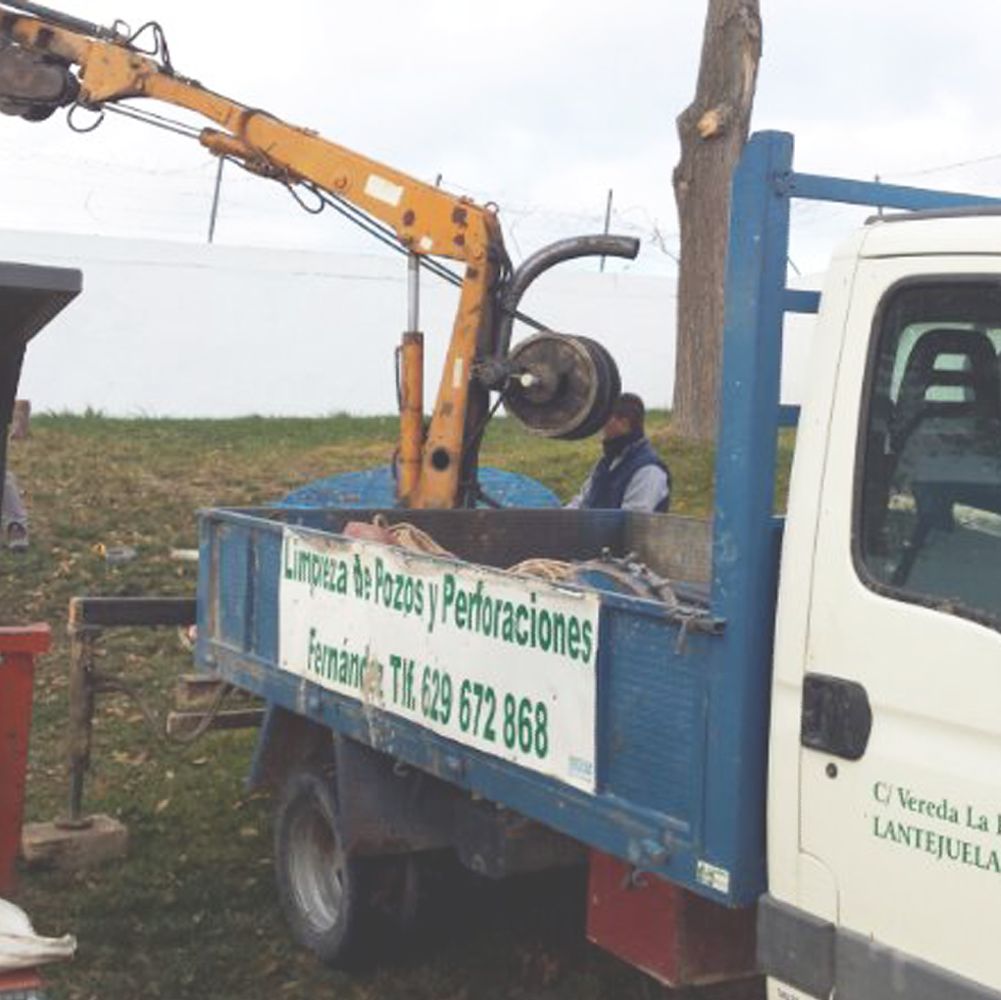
(564, 387)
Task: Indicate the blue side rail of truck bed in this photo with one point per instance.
(679, 724)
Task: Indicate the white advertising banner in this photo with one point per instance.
(504, 664)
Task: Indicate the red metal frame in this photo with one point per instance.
(18, 649)
(20, 983)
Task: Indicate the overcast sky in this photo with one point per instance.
(539, 105)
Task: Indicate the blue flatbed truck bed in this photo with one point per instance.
(663, 725)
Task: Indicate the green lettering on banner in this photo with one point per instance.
(588, 637)
(476, 610)
(489, 732)
(522, 631)
(573, 637)
(337, 665)
(447, 597)
(475, 607)
(541, 730)
(545, 631)
(311, 651)
(559, 633)
(507, 630)
(461, 681)
(318, 571)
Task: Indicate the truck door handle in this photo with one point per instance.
(837, 718)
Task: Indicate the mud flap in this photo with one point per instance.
(669, 932)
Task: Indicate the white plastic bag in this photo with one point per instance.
(21, 948)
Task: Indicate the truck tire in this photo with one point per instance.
(319, 886)
(341, 908)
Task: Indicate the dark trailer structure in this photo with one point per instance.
(30, 298)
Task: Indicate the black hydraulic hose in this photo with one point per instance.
(61, 20)
(549, 256)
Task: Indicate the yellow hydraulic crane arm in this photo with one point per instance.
(434, 469)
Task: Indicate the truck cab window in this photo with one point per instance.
(930, 498)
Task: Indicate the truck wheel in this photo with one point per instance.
(340, 907)
(318, 884)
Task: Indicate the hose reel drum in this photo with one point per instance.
(558, 385)
(563, 385)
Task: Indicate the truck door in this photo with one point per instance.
(901, 740)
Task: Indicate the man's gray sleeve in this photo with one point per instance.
(646, 490)
(576, 501)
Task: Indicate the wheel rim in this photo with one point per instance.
(316, 868)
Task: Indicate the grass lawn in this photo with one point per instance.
(192, 911)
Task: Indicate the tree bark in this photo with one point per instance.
(713, 131)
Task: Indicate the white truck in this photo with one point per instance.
(872, 656)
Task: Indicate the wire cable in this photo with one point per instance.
(157, 121)
(71, 114)
(160, 48)
(326, 199)
(944, 167)
(109, 684)
(386, 235)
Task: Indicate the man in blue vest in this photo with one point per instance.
(630, 475)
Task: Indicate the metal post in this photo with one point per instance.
(608, 221)
(411, 389)
(745, 535)
(83, 640)
(215, 198)
(413, 293)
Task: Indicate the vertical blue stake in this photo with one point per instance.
(745, 549)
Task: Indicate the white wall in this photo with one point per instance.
(176, 329)
(189, 330)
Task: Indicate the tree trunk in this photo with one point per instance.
(713, 130)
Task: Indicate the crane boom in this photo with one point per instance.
(55, 60)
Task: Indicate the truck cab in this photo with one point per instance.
(884, 801)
